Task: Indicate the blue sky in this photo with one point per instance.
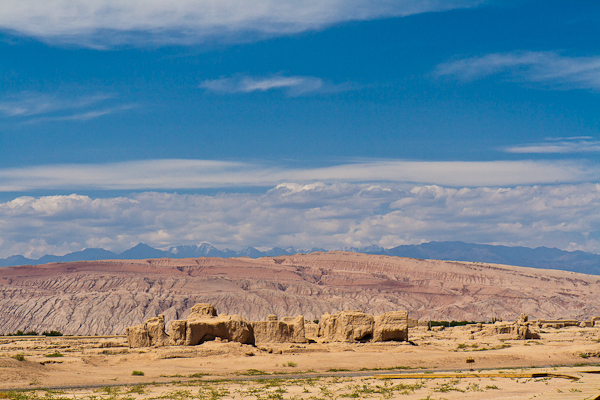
(343, 123)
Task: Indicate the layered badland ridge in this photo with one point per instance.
(105, 297)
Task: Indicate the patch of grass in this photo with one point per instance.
(583, 355)
(109, 390)
(586, 365)
(19, 357)
(138, 389)
(388, 390)
(326, 392)
(337, 370)
(474, 387)
(177, 395)
(494, 387)
(21, 395)
(397, 367)
(448, 386)
(253, 372)
(467, 347)
(211, 393)
(290, 364)
(502, 346)
(55, 354)
(198, 375)
(50, 392)
(137, 373)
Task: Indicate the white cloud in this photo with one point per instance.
(34, 107)
(110, 22)
(26, 104)
(292, 85)
(196, 174)
(546, 68)
(583, 144)
(305, 216)
(84, 116)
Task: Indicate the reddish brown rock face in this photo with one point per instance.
(105, 297)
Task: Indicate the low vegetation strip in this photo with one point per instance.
(452, 386)
(478, 375)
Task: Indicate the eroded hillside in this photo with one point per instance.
(104, 297)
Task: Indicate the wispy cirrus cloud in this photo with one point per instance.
(83, 116)
(291, 85)
(579, 144)
(198, 174)
(99, 23)
(34, 107)
(26, 104)
(550, 69)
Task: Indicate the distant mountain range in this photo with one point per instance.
(541, 257)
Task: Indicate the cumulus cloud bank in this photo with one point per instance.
(546, 68)
(110, 22)
(318, 214)
(198, 174)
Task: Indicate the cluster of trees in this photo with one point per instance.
(34, 333)
(448, 324)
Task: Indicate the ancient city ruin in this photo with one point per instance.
(204, 324)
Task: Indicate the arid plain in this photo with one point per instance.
(103, 298)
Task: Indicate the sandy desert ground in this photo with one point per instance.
(103, 368)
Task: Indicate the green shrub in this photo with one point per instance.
(19, 357)
(55, 354)
(137, 373)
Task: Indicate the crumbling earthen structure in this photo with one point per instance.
(150, 333)
(520, 329)
(346, 326)
(392, 325)
(203, 324)
(288, 330)
(356, 326)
